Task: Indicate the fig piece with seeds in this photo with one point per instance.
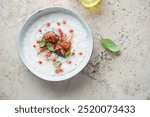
(66, 44)
(50, 37)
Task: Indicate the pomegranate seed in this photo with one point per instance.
(61, 70)
(40, 30)
(64, 22)
(40, 62)
(71, 31)
(73, 53)
(38, 41)
(48, 54)
(34, 46)
(48, 24)
(57, 71)
(61, 39)
(59, 30)
(80, 53)
(58, 24)
(69, 62)
(54, 59)
(61, 35)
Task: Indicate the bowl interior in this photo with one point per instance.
(43, 12)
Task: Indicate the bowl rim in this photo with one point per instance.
(72, 73)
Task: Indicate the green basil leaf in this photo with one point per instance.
(50, 46)
(57, 64)
(42, 43)
(110, 45)
(68, 54)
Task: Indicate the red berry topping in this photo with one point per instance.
(80, 53)
(73, 53)
(61, 34)
(59, 70)
(64, 22)
(40, 30)
(48, 24)
(71, 31)
(59, 30)
(40, 62)
(38, 41)
(54, 59)
(58, 24)
(69, 62)
(34, 46)
(48, 54)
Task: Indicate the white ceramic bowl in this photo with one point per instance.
(45, 12)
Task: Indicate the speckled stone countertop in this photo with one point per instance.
(107, 76)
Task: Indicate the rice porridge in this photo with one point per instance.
(55, 44)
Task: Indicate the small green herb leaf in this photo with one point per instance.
(68, 54)
(50, 47)
(57, 64)
(42, 43)
(110, 45)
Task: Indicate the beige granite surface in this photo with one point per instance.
(107, 76)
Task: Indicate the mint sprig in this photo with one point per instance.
(50, 46)
(42, 43)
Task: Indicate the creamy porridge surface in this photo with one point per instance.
(36, 31)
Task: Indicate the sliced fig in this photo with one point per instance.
(66, 44)
(59, 51)
(50, 37)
